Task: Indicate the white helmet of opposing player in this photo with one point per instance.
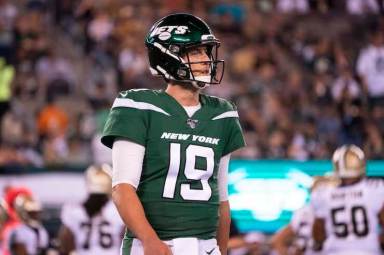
(349, 162)
(98, 179)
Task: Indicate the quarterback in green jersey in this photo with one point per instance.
(171, 148)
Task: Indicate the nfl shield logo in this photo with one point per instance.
(192, 123)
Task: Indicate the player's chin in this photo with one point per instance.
(200, 74)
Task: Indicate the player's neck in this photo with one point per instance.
(350, 181)
(186, 96)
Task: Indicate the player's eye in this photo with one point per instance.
(195, 52)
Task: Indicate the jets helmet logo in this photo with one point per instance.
(165, 32)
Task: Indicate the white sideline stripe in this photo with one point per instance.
(126, 102)
(230, 114)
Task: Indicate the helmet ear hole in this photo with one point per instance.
(174, 49)
(182, 73)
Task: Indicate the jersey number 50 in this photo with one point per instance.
(190, 172)
(359, 219)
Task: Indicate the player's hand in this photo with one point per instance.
(156, 247)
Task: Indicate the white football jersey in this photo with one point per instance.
(34, 239)
(100, 235)
(301, 223)
(351, 216)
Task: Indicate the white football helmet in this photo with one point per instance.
(98, 179)
(349, 162)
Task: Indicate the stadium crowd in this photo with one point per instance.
(307, 75)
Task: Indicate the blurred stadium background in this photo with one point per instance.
(307, 76)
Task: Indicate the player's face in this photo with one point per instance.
(199, 56)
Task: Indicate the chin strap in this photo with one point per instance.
(200, 84)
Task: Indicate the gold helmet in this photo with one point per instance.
(349, 162)
(98, 179)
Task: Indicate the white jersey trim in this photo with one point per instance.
(230, 114)
(126, 102)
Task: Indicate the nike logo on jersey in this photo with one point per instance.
(192, 123)
(194, 138)
(210, 252)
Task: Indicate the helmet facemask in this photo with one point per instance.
(215, 68)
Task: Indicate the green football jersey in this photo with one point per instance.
(178, 186)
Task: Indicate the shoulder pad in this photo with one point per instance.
(219, 103)
(221, 108)
(138, 94)
(375, 182)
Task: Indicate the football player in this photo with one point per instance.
(10, 219)
(171, 148)
(29, 237)
(93, 227)
(348, 216)
(296, 237)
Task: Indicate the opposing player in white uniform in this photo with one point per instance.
(296, 237)
(29, 237)
(93, 227)
(348, 216)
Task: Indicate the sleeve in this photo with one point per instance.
(127, 161)
(223, 177)
(235, 138)
(13, 237)
(377, 197)
(44, 238)
(19, 236)
(318, 203)
(381, 192)
(124, 121)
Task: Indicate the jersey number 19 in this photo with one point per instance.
(190, 171)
